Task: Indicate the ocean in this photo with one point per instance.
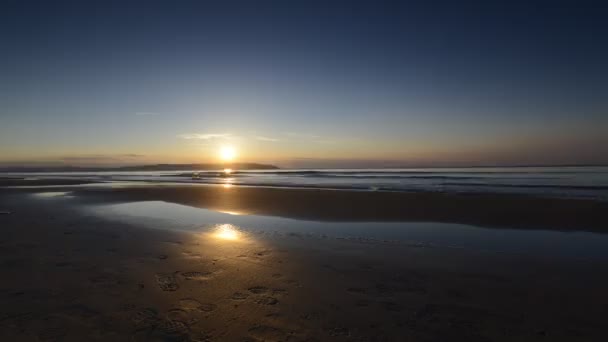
(564, 182)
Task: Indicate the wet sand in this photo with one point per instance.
(72, 276)
(486, 210)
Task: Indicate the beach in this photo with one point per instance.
(76, 274)
(303, 171)
(507, 210)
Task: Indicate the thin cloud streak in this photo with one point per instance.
(310, 137)
(263, 138)
(301, 135)
(204, 136)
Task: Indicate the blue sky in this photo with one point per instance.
(304, 83)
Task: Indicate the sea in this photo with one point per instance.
(563, 182)
(589, 182)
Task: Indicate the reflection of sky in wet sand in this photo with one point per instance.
(52, 194)
(163, 215)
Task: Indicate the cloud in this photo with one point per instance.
(263, 138)
(146, 114)
(204, 136)
(309, 137)
(301, 135)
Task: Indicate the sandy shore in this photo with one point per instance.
(487, 210)
(71, 276)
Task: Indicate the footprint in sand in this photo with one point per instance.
(338, 331)
(166, 282)
(192, 255)
(191, 304)
(169, 330)
(267, 301)
(258, 289)
(262, 253)
(145, 318)
(197, 275)
(311, 316)
(279, 292)
(201, 336)
(239, 296)
(207, 307)
(179, 315)
(266, 333)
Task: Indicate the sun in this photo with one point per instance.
(227, 153)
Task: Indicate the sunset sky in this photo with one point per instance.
(303, 83)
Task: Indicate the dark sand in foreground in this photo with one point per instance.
(69, 276)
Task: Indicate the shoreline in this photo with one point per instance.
(485, 210)
(544, 182)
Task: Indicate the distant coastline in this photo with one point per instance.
(257, 166)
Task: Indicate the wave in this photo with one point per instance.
(547, 186)
(555, 182)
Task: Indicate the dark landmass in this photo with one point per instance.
(154, 167)
(256, 166)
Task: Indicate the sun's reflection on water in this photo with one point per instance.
(235, 213)
(227, 231)
(227, 182)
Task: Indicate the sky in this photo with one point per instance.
(304, 83)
